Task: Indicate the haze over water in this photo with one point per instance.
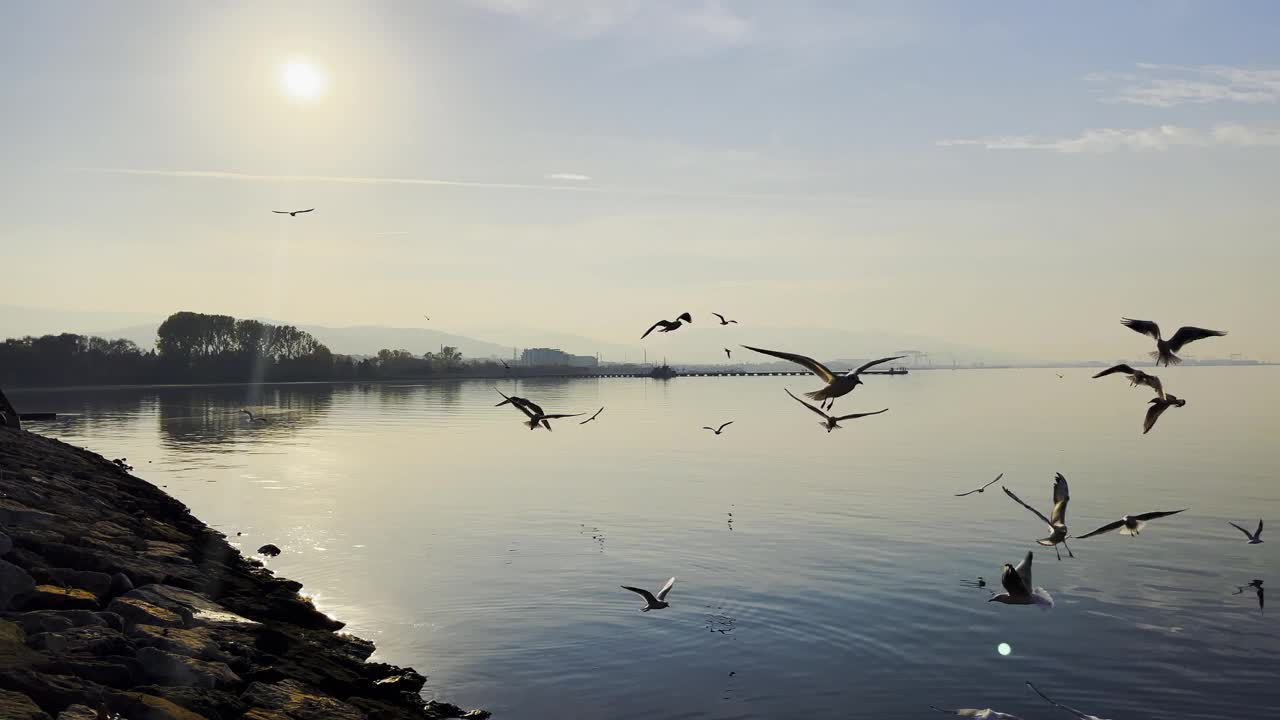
(489, 556)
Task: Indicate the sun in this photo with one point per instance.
(302, 80)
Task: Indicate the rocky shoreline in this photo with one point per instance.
(116, 601)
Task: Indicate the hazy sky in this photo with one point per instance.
(1001, 175)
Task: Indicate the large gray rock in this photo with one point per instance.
(16, 706)
(86, 640)
(95, 582)
(169, 669)
(298, 701)
(15, 583)
(140, 612)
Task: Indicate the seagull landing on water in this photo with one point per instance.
(593, 417)
(1158, 406)
(1131, 524)
(719, 429)
(668, 325)
(983, 714)
(723, 321)
(1136, 377)
(253, 418)
(1073, 711)
(1255, 537)
(1018, 589)
(837, 385)
(292, 213)
(653, 602)
(1057, 520)
(1165, 353)
(983, 488)
(831, 422)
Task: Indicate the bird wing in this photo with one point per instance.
(966, 493)
(532, 406)
(704, 427)
(1104, 529)
(858, 415)
(722, 320)
(1121, 368)
(653, 327)
(809, 363)
(280, 212)
(1153, 414)
(725, 425)
(1259, 527)
(816, 410)
(1024, 570)
(1057, 704)
(963, 712)
(296, 212)
(1060, 498)
(1191, 334)
(559, 416)
(1146, 327)
(593, 417)
(1154, 383)
(1018, 500)
(662, 594)
(993, 482)
(648, 596)
(876, 362)
(1158, 514)
(1012, 582)
(1246, 532)
(506, 398)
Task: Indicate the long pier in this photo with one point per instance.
(680, 374)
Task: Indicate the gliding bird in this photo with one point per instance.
(1131, 524)
(1158, 406)
(830, 422)
(1136, 377)
(593, 417)
(1257, 586)
(984, 487)
(1165, 353)
(1255, 537)
(837, 385)
(668, 325)
(1057, 520)
(719, 429)
(723, 321)
(292, 213)
(653, 602)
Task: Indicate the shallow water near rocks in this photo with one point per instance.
(818, 575)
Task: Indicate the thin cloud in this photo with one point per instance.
(1107, 140)
(1156, 85)
(575, 177)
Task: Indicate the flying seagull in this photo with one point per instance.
(653, 602)
(1257, 586)
(984, 487)
(831, 422)
(668, 325)
(728, 353)
(837, 385)
(983, 714)
(292, 213)
(1073, 711)
(1018, 589)
(1057, 520)
(253, 418)
(1255, 537)
(1136, 377)
(1131, 524)
(719, 429)
(593, 417)
(723, 321)
(425, 316)
(505, 366)
(1166, 350)
(1158, 406)
(533, 411)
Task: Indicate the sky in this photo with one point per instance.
(1008, 177)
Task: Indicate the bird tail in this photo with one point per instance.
(1047, 542)
(822, 394)
(1165, 358)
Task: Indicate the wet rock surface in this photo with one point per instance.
(112, 594)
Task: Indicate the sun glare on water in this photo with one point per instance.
(302, 80)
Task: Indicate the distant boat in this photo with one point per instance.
(663, 372)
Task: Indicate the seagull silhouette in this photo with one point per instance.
(668, 325)
(1255, 537)
(253, 418)
(1158, 406)
(1166, 350)
(1257, 586)
(653, 602)
(1057, 520)
(728, 353)
(723, 321)
(830, 422)
(533, 411)
(1018, 589)
(505, 366)
(1131, 524)
(1073, 711)
(292, 213)
(593, 417)
(983, 488)
(1136, 377)
(837, 385)
(983, 714)
(719, 429)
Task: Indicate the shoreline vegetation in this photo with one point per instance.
(114, 598)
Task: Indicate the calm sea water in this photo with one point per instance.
(489, 556)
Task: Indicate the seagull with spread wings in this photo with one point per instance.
(1166, 350)
(832, 422)
(719, 429)
(1018, 589)
(292, 213)
(837, 385)
(1257, 587)
(983, 488)
(653, 602)
(1136, 377)
(1057, 520)
(1255, 537)
(593, 417)
(1158, 406)
(723, 321)
(533, 411)
(1131, 524)
(668, 325)
(1073, 711)
(982, 714)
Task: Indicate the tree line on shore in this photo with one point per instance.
(200, 348)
